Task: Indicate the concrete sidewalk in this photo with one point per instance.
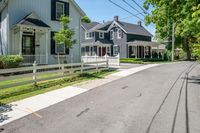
(31, 105)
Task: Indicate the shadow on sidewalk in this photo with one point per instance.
(3, 109)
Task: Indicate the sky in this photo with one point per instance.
(103, 10)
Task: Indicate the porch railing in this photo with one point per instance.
(30, 59)
(112, 60)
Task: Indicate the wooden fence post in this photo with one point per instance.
(82, 65)
(63, 68)
(34, 73)
(107, 64)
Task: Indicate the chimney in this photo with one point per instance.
(140, 23)
(116, 18)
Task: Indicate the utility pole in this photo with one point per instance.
(173, 40)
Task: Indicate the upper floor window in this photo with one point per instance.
(119, 33)
(101, 35)
(111, 35)
(60, 10)
(89, 35)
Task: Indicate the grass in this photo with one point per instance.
(21, 92)
(142, 61)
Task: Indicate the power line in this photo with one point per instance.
(132, 7)
(140, 7)
(125, 10)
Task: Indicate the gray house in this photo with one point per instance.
(117, 37)
(27, 28)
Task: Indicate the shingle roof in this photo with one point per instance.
(128, 27)
(134, 29)
(32, 20)
(88, 26)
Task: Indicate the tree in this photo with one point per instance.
(85, 19)
(65, 35)
(181, 12)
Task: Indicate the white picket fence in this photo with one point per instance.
(33, 74)
(112, 60)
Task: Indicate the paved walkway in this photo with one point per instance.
(31, 105)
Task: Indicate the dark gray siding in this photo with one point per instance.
(131, 37)
(121, 42)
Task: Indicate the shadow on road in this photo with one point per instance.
(194, 79)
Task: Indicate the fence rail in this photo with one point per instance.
(34, 73)
(112, 60)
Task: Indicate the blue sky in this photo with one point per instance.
(103, 10)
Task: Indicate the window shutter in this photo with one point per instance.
(66, 9)
(67, 51)
(53, 43)
(53, 9)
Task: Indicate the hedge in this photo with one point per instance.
(10, 61)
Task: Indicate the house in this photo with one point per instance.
(27, 28)
(117, 37)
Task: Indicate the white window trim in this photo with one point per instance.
(119, 37)
(102, 37)
(88, 37)
(63, 9)
(64, 52)
(112, 36)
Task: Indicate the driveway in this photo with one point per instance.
(155, 100)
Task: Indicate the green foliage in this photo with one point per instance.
(184, 13)
(85, 19)
(10, 61)
(196, 51)
(65, 35)
(142, 61)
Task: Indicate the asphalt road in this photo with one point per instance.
(155, 100)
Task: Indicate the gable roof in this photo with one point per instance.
(32, 20)
(88, 26)
(128, 28)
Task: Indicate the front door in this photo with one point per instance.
(28, 45)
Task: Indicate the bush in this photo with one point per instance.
(10, 61)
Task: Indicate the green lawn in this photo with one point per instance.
(17, 93)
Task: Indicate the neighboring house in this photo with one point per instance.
(27, 28)
(116, 37)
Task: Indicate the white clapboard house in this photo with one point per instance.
(27, 28)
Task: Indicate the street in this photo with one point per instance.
(161, 99)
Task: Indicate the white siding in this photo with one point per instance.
(18, 9)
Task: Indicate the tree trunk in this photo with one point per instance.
(187, 48)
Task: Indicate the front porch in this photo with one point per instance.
(96, 49)
(30, 39)
(144, 49)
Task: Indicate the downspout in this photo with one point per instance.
(79, 36)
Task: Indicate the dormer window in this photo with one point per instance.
(119, 33)
(60, 10)
(101, 35)
(89, 35)
(111, 35)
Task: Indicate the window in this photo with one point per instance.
(101, 35)
(89, 35)
(119, 33)
(60, 49)
(111, 35)
(60, 10)
(116, 50)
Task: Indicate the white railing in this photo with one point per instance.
(36, 73)
(30, 59)
(112, 60)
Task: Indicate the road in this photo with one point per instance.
(155, 100)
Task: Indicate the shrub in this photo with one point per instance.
(10, 61)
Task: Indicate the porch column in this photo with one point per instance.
(97, 50)
(136, 53)
(151, 52)
(144, 51)
(47, 48)
(89, 51)
(101, 51)
(20, 41)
